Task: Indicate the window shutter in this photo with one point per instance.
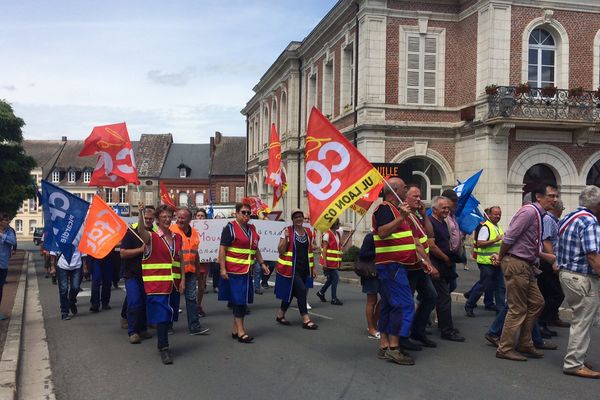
(421, 69)
(413, 67)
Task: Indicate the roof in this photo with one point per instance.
(195, 156)
(229, 156)
(44, 152)
(151, 153)
(69, 157)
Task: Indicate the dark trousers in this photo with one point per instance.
(136, 306)
(333, 277)
(69, 283)
(427, 295)
(265, 278)
(549, 285)
(443, 305)
(3, 273)
(299, 292)
(162, 335)
(124, 306)
(102, 274)
(215, 272)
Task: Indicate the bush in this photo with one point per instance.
(351, 254)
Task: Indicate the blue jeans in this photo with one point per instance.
(488, 296)
(68, 287)
(3, 273)
(490, 279)
(136, 306)
(102, 275)
(496, 327)
(397, 306)
(256, 273)
(191, 308)
(333, 277)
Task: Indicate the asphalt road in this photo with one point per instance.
(91, 358)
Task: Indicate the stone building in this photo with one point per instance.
(442, 89)
(227, 172)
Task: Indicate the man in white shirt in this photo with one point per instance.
(69, 278)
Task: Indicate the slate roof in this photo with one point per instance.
(229, 156)
(151, 153)
(44, 152)
(69, 158)
(195, 156)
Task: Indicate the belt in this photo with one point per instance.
(568, 271)
(520, 258)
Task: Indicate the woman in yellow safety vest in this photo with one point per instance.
(238, 251)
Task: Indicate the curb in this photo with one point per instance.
(565, 314)
(9, 362)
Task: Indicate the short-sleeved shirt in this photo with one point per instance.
(131, 267)
(75, 260)
(383, 215)
(550, 231)
(579, 233)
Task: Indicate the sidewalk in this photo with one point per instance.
(9, 293)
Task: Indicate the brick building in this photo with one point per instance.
(227, 172)
(436, 87)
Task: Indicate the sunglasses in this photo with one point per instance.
(246, 212)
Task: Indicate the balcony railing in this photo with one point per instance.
(513, 102)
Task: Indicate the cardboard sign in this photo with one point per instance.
(210, 237)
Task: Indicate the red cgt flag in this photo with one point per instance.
(363, 204)
(275, 175)
(256, 205)
(103, 230)
(165, 197)
(337, 174)
(116, 163)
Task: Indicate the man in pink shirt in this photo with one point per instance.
(518, 257)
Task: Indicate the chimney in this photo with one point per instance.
(64, 138)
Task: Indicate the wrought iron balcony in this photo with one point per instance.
(543, 104)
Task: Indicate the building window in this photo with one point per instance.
(122, 195)
(542, 56)
(425, 174)
(77, 195)
(183, 198)
(536, 174)
(148, 198)
(421, 69)
(347, 79)
(18, 226)
(273, 117)
(32, 225)
(312, 94)
(87, 176)
(199, 198)
(89, 197)
(182, 172)
(71, 176)
(239, 193)
(55, 176)
(283, 116)
(108, 195)
(327, 100)
(224, 194)
(266, 128)
(32, 205)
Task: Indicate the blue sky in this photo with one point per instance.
(181, 66)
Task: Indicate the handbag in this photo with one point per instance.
(365, 269)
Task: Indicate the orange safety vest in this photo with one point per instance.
(332, 257)
(285, 263)
(161, 266)
(240, 255)
(398, 247)
(189, 248)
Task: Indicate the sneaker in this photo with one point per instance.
(200, 331)
(124, 324)
(94, 309)
(336, 302)
(165, 356)
(145, 335)
(135, 339)
(375, 335)
(65, 317)
(106, 307)
(469, 312)
(265, 285)
(398, 357)
(381, 353)
(308, 307)
(321, 296)
(170, 331)
(74, 309)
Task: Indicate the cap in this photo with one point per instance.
(295, 211)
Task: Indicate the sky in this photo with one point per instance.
(181, 66)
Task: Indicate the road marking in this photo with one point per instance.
(318, 315)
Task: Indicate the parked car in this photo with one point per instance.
(37, 236)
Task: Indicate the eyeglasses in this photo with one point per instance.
(246, 212)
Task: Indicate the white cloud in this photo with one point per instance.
(172, 79)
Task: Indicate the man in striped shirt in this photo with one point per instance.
(579, 261)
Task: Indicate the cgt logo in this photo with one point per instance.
(103, 230)
(327, 184)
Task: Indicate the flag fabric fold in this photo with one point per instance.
(466, 212)
(337, 174)
(102, 231)
(165, 197)
(64, 214)
(275, 175)
(115, 165)
(256, 205)
(363, 204)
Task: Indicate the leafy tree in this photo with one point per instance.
(16, 184)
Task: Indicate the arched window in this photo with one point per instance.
(542, 59)
(593, 177)
(283, 115)
(422, 172)
(537, 174)
(266, 128)
(273, 118)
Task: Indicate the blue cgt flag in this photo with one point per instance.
(467, 213)
(64, 214)
(210, 213)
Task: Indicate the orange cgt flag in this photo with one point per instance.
(102, 231)
(165, 197)
(275, 175)
(337, 174)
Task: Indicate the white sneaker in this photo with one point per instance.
(308, 307)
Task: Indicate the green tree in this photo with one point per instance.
(16, 184)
